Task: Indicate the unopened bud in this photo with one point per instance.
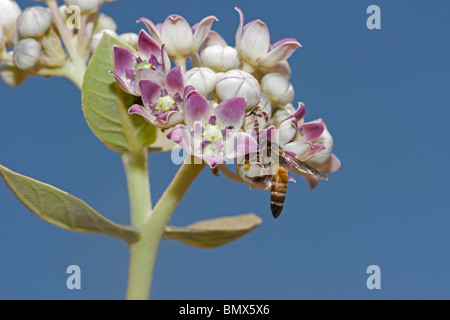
(98, 36)
(63, 11)
(27, 53)
(277, 88)
(12, 75)
(34, 22)
(105, 22)
(9, 12)
(220, 58)
(86, 6)
(130, 39)
(238, 83)
(202, 79)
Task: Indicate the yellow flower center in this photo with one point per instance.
(164, 103)
(143, 65)
(212, 132)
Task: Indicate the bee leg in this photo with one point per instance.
(215, 171)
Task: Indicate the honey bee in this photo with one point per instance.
(280, 179)
(279, 162)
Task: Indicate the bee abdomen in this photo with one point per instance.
(278, 193)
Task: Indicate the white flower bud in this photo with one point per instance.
(277, 88)
(27, 53)
(34, 22)
(238, 83)
(12, 75)
(202, 79)
(86, 6)
(98, 36)
(105, 22)
(130, 39)
(220, 58)
(63, 11)
(9, 12)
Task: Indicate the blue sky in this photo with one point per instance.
(385, 97)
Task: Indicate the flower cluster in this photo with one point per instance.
(48, 41)
(226, 106)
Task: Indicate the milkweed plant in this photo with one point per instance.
(232, 111)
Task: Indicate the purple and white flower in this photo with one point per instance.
(310, 142)
(254, 48)
(150, 62)
(163, 102)
(213, 135)
(177, 35)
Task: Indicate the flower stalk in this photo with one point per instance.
(151, 223)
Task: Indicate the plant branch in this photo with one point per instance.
(62, 29)
(143, 253)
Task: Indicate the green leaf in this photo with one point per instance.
(105, 105)
(62, 209)
(214, 233)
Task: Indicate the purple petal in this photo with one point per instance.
(280, 51)
(188, 89)
(140, 110)
(231, 112)
(269, 134)
(169, 119)
(201, 32)
(300, 112)
(175, 81)
(152, 28)
(181, 136)
(150, 91)
(123, 85)
(292, 179)
(196, 109)
(124, 59)
(311, 131)
(240, 144)
(147, 46)
(165, 59)
(147, 74)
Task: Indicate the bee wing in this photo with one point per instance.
(299, 167)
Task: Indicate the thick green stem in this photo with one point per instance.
(74, 71)
(152, 225)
